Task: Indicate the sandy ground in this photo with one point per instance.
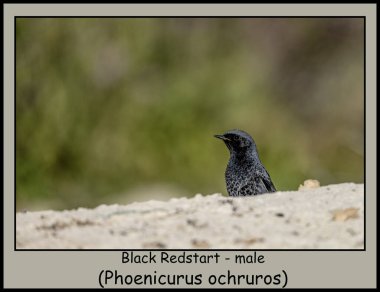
(328, 217)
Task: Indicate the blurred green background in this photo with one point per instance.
(122, 110)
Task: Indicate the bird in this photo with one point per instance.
(245, 174)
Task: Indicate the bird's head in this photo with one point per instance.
(237, 141)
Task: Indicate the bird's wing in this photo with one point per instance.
(258, 184)
(266, 180)
(268, 183)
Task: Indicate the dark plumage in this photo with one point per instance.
(245, 174)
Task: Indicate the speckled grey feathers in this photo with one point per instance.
(245, 174)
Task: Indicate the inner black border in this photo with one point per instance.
(171, 17)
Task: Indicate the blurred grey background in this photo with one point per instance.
(125, 109)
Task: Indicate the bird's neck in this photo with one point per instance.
(248, 156)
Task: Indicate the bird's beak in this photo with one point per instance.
(222, 137)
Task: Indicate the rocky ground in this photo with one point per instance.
(328, 217)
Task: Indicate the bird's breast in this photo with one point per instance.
(237, 175)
